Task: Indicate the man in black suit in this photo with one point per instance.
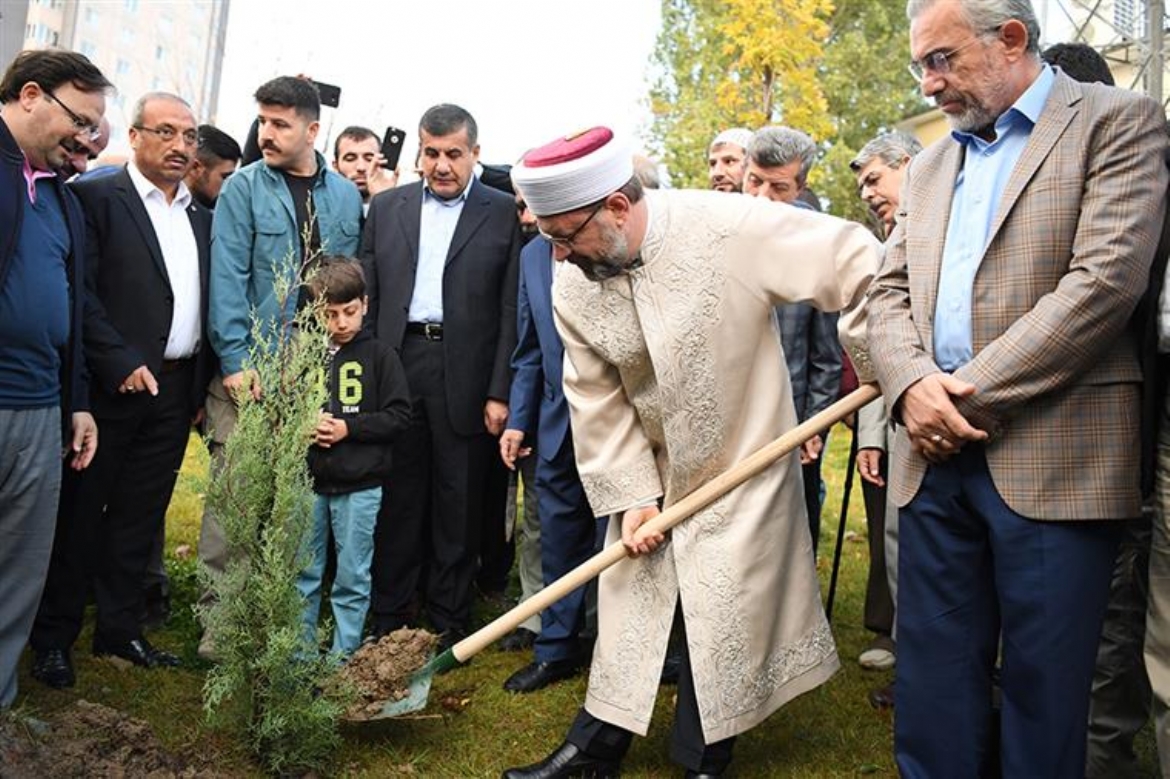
(441, 264)
(147, 250)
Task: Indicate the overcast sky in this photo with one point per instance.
(527, 70)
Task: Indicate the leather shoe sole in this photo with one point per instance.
(54, 668)
(566, 762)
(536, 676)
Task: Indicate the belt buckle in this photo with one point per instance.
(433, 331)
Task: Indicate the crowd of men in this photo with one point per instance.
(620, 347)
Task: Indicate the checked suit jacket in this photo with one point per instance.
(1068, 256)
(479, 291)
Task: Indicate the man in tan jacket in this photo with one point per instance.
(998, 327)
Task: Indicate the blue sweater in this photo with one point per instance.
(14, 205)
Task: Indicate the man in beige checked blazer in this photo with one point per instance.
(998, 331)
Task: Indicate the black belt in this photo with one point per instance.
(173, 365)
(432, 331)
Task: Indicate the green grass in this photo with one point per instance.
(830, 732)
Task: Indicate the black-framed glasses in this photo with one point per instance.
(938, 61)
(166, 134)
(82, 125)
(567, 241)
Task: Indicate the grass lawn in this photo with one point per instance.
(472, 728)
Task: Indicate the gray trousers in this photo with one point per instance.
(528, 534)
(30, 484)
(213, 551)
(1157, 643)
(1120, 701)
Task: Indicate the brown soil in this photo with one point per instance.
(380, 670)
(89, 741)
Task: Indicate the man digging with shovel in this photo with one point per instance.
(672, 375)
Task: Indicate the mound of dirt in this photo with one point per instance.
(89, 741)
(380, 670)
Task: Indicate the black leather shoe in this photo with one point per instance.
(139, 651)
(567, 761)
(518, 640)
(882, 697)
(536, 676)
(54, 668)
(694, 775)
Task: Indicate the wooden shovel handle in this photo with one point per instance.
(671, 516)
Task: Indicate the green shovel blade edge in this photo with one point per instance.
(420, 686)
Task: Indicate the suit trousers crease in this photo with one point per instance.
(114, 511)
(30, 478)
(432, 509)
(969, 568)
(879, 603)
(687, 747)
(569, 536)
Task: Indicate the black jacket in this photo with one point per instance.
(74, 383)
(367, 388)
(479, 291)
(130, 291)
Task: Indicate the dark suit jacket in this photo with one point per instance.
(538, 402)
(479, 291)
(126, 278)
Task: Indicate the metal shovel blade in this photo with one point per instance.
(420, 687)
(416, 700)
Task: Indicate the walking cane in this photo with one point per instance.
(849, 469)
(757, 462)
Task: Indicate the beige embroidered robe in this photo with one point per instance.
(673, 373)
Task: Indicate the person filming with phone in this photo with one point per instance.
(358, 156)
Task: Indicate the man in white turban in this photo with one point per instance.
(672, 376)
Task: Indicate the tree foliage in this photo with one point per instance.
(268, 680)
(831, 68)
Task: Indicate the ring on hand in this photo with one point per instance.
(936, 439)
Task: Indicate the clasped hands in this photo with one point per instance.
(937, 430)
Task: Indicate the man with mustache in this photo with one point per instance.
(441, 263)
(999, 328)
(49, 101)
(671, 376)
(148, 249)
(273, 217)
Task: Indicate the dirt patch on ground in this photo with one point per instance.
(89, 741)
(380, 670)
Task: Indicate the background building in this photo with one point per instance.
(140, 45)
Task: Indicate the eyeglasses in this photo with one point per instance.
(938, 61)
(166, 134)
(567, 241)
(82, 125)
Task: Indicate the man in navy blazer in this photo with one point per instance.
(440, 257)
(568, 529)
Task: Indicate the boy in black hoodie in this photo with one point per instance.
(368, 405)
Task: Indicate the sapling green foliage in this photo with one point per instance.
(268, 681)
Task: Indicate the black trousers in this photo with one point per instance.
(687, 748)
(111, 512)
(497, 552)
(432, 506)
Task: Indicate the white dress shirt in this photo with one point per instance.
(176, 238)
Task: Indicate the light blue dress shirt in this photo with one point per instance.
(979, 189)
(436, 228)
